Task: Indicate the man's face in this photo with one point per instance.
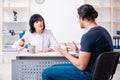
(81, 22)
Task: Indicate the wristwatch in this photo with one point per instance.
(39, 1)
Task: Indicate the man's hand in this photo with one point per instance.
(63, 51)
(72, 47)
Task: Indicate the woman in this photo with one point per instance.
(37, 35)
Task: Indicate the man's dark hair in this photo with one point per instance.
(34, 18)
(87, 11)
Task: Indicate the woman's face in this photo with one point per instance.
(38, 25)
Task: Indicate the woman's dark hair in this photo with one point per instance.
(34, 18)
(87, 11)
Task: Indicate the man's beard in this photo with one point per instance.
(82, 26)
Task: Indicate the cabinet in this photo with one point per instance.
(115, 22)
(15, 17)
(115, 19)
(108, 14)
(0, 26)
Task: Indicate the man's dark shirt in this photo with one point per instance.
(96, 41)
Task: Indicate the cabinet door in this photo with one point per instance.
(14, 21)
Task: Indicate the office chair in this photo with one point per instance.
(105, 66)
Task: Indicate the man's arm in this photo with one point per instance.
(81, 62)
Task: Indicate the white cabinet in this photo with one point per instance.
(108, 14)
(15, 17)
(115, 19)
(0, 26)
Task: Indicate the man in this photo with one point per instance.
(95, 41)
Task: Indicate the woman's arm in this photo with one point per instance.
(53, 41)
(45, 50)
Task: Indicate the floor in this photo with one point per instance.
(5, 72)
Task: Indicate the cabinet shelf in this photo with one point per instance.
(116, 7)
(9, 35)
(102, 7)
(8, 22)
(18, 7)
(103, 21)
(116, 22)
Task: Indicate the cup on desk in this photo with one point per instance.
(31, 49)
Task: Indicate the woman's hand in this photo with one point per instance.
(23, 49)
(45, 50)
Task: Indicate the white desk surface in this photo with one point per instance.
(48, 54)
(117, 50)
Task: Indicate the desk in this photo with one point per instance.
(28, 66)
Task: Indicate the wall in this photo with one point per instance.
(61, 17)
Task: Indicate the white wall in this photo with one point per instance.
(61, 17)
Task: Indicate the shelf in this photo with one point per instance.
(116, 21)
(102, 7)
(9, 35)
(99, 3)
(115, 7)
(103, 21)
(14, 22)
(15, 3)
(10, 50)
(18, 7)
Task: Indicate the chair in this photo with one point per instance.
(105, 66)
